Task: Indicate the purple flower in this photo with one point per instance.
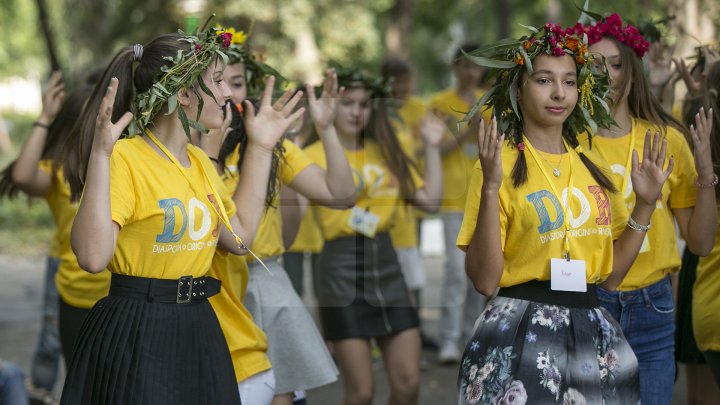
(531, 337)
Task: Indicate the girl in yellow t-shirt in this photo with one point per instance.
(151, 213)
(543, 222)
(361, 291)
(643, 304)
(706, 289)
(70, 292)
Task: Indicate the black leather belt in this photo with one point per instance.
(180, 291)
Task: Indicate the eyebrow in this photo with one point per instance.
(548, 72)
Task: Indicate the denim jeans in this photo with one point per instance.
(46, 359)
(12, 385)
(647, 318)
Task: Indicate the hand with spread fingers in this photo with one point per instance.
(107, 132)
(648, 176)
(490, 145)
(53, 98)
(432, 128)
(701, 133)
(265, 128)
(322, 110)
(694, 84)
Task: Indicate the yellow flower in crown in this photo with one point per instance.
(230, 36)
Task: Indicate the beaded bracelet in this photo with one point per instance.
(634, 225)
(712, 184)
(40, 124)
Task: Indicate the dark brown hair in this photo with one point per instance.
(131, 81)
(709, 99)
(60, 133)
(641, 101)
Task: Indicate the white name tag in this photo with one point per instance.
(568, 275)
(363, 222)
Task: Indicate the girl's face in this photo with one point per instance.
(353, 112)
(212, 113)
(549, 95)
(607, 49)
(235, 78)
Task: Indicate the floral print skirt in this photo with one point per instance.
(526, 352)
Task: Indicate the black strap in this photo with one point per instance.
(180, 291)
(539, 291)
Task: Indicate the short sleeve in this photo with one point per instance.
(472, 205)
(683, 193)
(618, 215)
(46, 166)
(122, 189)
(295, 162)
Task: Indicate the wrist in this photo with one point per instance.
(642, 212)
(259, 147)
(489, 190)
(706, 181)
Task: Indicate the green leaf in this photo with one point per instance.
(512, 93)
(184, 121)
(528, 62)
(588, 17)
(198, 126)
(201, 103)
(590, 121)
(531, 28)
(172, 104)
(491, 63)
(477, 106)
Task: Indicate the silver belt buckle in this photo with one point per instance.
(184, 290)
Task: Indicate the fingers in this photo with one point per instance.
(635, 162)
(295, 116)
(312, 99)
(267, 93)
(671, 165)
(228, 116)
(278, 105)
(330, 84)
(290, 106)
(106, 106)
(660, 162)
(482, 141)
(249, 117)
(655, 149)
(646, 145)
(123, 122)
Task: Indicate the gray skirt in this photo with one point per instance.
(362, 292)
(297, 351)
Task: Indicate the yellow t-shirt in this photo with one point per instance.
(167, 231)
(268, 240)
(457, 164)
(531, 218)
(76, 286)
(659, 254)
(705, 311)
(377, 190)
(413, 110)
(309, 238)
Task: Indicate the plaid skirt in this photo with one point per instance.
(535, 352)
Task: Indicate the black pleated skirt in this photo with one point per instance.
(131, 351)
(362, 292)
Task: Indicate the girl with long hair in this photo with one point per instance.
(543, 222)
(361, 291)
(151, 214)
(643, 304)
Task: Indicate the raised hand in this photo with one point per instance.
(694, 85)
(490, 150)
(648, 176)
(432, 128)
(701, 132)
(267, 127)
(322, 110)
(107, 133)
(213, 140)
(53, 98)
(661, 66)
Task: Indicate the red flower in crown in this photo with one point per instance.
(612, 26)
(226, 38)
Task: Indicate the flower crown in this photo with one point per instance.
(256, 70)
(379, 88)
(183, 71)
(510, 58)
(612, 26)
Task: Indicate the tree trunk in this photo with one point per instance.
(398, 32)
(504, 13)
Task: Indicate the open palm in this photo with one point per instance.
(322, 110)
(271, 121)
(648, 176)
(107, 132)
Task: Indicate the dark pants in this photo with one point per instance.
(71, 319)
(713, 360)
